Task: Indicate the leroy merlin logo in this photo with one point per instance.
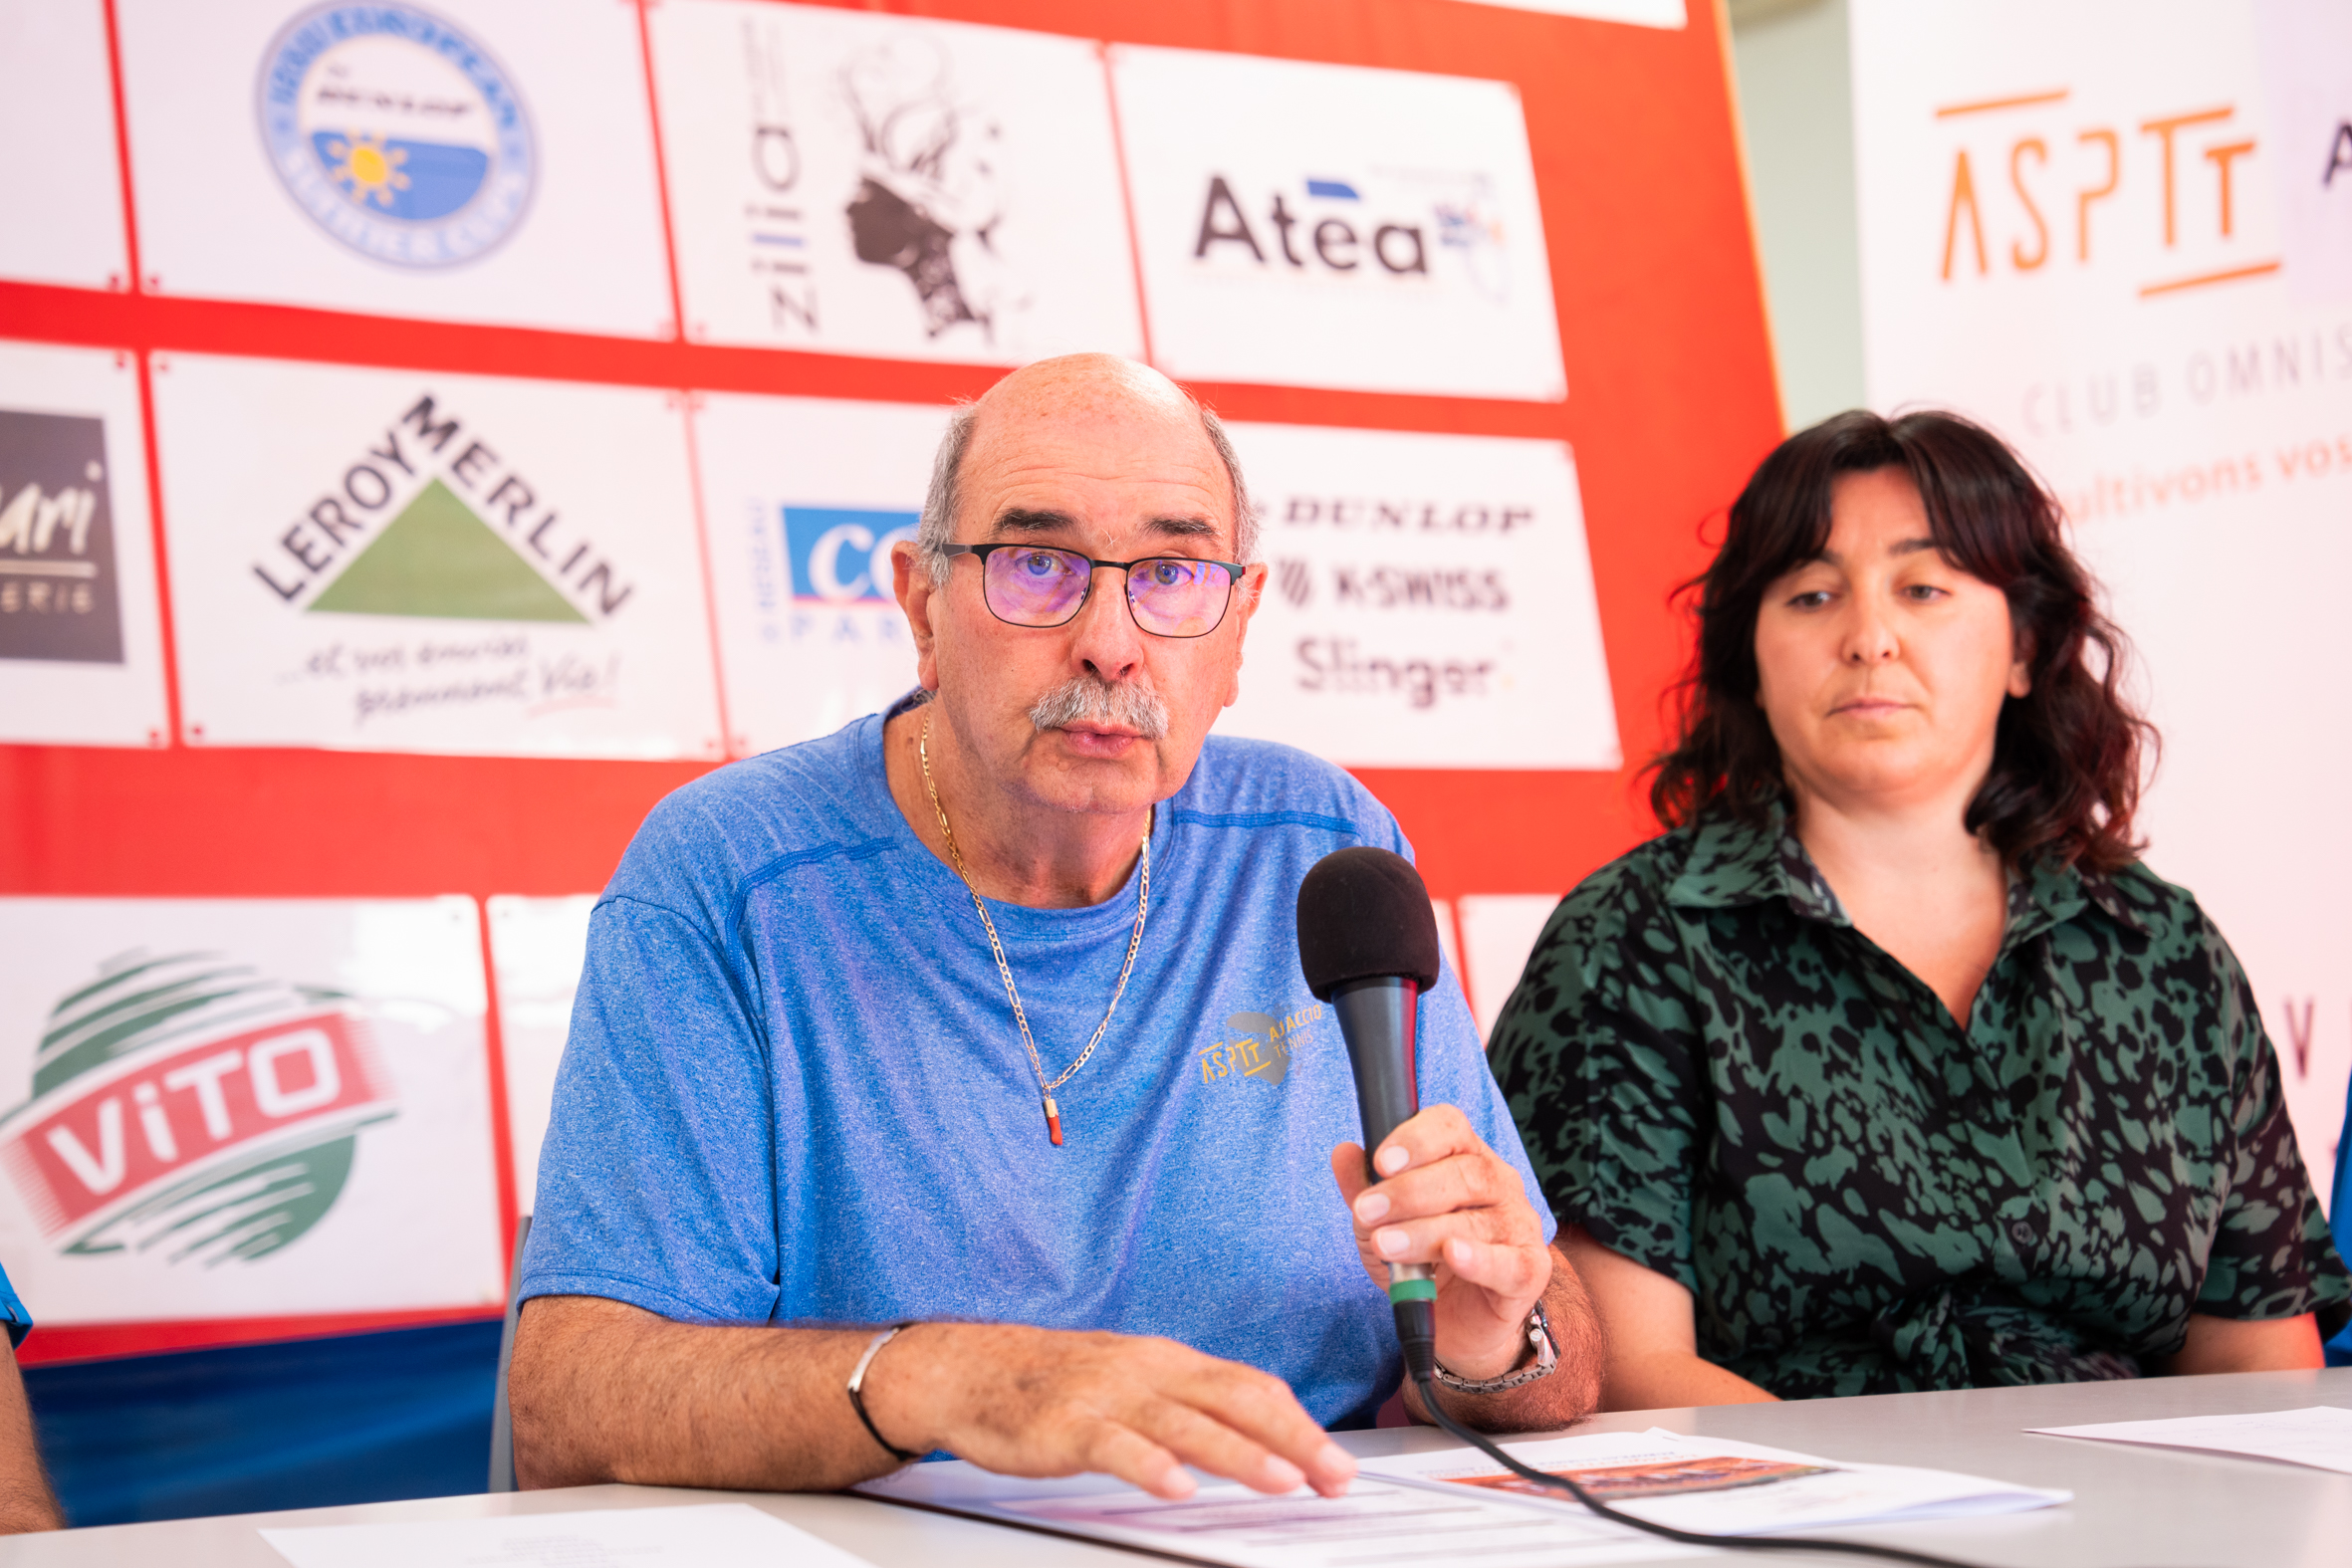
(429, 520)
(189, 1106)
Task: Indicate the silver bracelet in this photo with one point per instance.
(1546, 1358)
(858, 1391)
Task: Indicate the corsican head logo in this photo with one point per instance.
(187, 1104)
(397, 132)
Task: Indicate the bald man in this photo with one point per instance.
(950, 1085)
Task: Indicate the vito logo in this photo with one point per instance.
(843, 557)
(397, 132)
(164, 1115)
(429, 519)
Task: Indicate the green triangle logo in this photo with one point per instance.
(436, 559)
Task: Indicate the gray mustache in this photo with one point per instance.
(1125, 705)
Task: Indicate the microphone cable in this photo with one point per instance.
(1416, 1332)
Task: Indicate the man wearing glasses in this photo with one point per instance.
(950, 1084)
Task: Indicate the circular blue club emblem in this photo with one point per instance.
(397, 132)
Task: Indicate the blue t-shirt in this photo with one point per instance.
(793, 1092)
(13, 1315)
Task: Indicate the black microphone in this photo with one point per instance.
(1367, 942)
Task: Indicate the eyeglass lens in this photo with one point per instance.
(1171, 595)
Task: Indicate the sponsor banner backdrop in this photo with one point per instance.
(477, 160)
(1336, 226)
(80, 657)
(890, 185)
(1642, 13)
(805, 496)
(1428, 603)
(412, 562)
(235, 1109)
(537, 949)
(2072, 230)
(61, 187)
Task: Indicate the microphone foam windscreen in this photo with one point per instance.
(1364, 912)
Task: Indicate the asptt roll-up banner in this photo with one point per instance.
(2121, 235)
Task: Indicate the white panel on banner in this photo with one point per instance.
(805, 498)
(537, 949)
(2071, 229)
(891, 185)
(80, 653)
(1641, 13)
(2307, 51)
(60, 185)
(244, 1108)
(1428, 603)
(476, 160)
(1319, 225)
(399, 560)
(1499, 931)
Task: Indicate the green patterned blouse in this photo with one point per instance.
(1718, 1076)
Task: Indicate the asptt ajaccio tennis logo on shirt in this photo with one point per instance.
(1258, 1045)
(429, 517)
(189, 1106)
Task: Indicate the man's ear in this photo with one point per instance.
(1246, 596)
(912, 582)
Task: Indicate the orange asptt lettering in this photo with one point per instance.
(1964, 192)
(2084, 198)
(2162, 130)
(2220, 157)
(2042, 230)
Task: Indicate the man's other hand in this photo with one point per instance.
(1445, 1198)
(1040, 1402)
(602, 1391)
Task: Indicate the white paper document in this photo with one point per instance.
(2319, 1437)
(1379, 1523)
(1718, 1486)
(1453, 1505)
(713, 1535)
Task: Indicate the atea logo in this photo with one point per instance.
(403, 532)
(1329, 227)
(841, 555)
(189, 1105)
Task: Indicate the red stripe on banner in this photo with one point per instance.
(167, 627)
(662, 171)
(1118, 152)
(123, 152)
(690, 406)
(502, 1129)
(50, 1343)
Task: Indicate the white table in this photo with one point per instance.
(2135, 1507)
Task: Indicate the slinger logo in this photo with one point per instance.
(188, 1104)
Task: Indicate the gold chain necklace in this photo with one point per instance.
(1011, 991)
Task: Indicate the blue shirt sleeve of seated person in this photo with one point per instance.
(793, 1092)
(19, 1321)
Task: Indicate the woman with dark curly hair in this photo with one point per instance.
(1889, 1066)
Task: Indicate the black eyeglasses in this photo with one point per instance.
(1037, 585)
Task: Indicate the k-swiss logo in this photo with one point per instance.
(189, 1105)
(57, 597)
(429, 520)
(1259, 1046)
